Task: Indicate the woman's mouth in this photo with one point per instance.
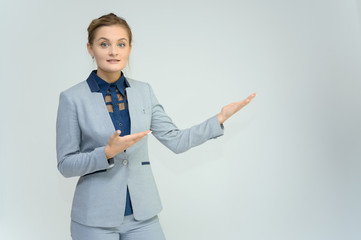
(113, 61)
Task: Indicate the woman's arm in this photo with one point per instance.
(72, 162)
(180, 141)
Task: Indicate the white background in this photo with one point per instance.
(288, 166)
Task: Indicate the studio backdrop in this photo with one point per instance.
(288, 165)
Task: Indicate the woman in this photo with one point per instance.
(102, 129)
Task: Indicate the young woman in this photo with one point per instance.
(102, 128)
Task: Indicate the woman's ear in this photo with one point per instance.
(90, 49)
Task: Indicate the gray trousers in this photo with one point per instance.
(130, 229)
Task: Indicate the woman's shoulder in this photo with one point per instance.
(138, 85)
(76, 90)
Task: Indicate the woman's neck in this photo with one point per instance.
(109, 77)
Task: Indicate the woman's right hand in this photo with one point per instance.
(117, 144)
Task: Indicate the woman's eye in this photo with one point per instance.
(104, 44)
(121, 45)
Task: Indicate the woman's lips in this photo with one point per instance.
(113, 61)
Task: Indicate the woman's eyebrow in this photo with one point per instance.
(103, 38)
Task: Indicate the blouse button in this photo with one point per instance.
(120, 124)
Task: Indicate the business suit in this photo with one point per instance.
(83, 130)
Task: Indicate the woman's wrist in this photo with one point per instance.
(220, 118)
(108, 152)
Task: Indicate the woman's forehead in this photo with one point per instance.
(112, 33)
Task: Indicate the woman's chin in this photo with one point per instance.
(111, 69)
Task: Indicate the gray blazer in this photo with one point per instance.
(83, 129)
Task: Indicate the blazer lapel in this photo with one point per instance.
(102, 114)
(138, 118)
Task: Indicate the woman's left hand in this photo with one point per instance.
(230, 109)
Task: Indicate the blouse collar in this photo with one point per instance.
(97, 84)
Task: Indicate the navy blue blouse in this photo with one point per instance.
(116, 101)
(114, 95)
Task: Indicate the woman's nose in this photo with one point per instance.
(113, 51)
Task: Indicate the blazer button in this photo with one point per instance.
(125, 162)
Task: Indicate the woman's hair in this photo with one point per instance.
(107, 20)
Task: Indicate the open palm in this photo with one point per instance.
(230, 109)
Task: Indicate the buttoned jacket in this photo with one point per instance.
(83, 129)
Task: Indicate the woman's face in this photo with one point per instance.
(111, 48)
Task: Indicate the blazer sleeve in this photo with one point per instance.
(178, 140)
(71, 161)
